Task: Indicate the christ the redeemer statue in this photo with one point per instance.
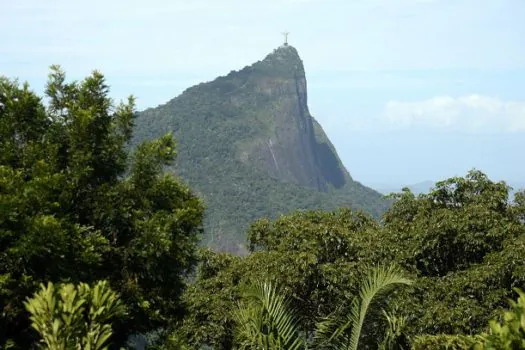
(285, 37)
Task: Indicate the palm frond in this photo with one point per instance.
(394, 332)
(333, 333)
(265, 320)
(379, 280)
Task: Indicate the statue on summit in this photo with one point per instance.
(285, 38)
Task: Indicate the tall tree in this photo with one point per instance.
(74, 206)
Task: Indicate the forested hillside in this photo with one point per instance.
(248, 145)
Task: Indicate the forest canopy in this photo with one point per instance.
(87, 220)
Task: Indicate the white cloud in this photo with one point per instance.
(471, 113)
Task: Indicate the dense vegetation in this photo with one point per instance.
(462, 244)
(75, 207)
(223, 130)
(97, 244)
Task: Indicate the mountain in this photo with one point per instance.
(249, 146)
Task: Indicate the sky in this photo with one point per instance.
(407, 90)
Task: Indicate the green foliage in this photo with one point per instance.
(304, 259)
(311, 255)
(177, 341)
(265, 317)
(506, 335)
(463, 240)
(509, 334)
(345, 333)
(455, 225)
(74, 317)
(394, 338)
(162, 339)
(314, 255)
(209, 299)
(264, 320)
(319, 258)
(519, 205)
(444, 342)
(75, 207)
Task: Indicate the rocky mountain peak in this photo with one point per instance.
(249, 145)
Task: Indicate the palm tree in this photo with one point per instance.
(344, 333)
(265, 321)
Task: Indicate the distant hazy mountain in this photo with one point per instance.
(249, 146)
(420, 187)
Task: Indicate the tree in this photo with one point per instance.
(455, 225)
(346, 332)
(464, 241)
(264, 320)
(319, 259)
(316, 256)
(210, 297)
(75, 206)
(74, 317)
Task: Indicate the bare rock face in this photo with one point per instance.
(288, 147)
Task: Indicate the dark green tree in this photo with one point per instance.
(74, 206)
(464, 241)
(454, 226)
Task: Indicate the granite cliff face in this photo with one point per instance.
(249, 146)
(289, 148)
